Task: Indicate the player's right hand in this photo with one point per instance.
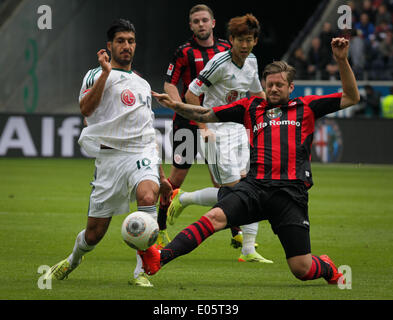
(103, 59)
(163, 99)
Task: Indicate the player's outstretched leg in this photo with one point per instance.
(185, 242)
(180, 200)
(204, 197)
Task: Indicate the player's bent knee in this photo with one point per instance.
(217, 218)
(148, 199)
(147, 193)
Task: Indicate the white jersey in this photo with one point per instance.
(223, 82)
(124, 118)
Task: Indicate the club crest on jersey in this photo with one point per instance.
(232, 96)
(274, 113)
(292, 104)
(128, 98)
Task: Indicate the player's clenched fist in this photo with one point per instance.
(103, 59)
(340, 48)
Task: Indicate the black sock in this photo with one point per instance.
(187, 240)
(162, 215)
(235, 231)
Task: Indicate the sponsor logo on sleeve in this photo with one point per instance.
(199, 83)
(170, 69)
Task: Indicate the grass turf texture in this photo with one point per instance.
(43, 206)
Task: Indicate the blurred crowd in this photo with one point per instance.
(370, 54)
(371, 51)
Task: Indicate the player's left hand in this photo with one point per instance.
(340, 48)
(165, 191)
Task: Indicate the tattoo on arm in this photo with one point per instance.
(196, 113)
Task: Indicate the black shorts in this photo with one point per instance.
(284, 206)
(184, 143)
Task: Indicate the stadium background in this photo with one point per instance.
(42, 70)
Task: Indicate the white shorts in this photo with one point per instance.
(117, 177)
(228, 157)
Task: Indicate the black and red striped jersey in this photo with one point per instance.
(189, 60)
(280, 136)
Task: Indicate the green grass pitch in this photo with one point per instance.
(43, 206)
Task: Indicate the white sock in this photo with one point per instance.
(139, 266)
(248, 243)
(251, 228)
(250, 232)
(80, 249)
(152, 210)
(203, 197)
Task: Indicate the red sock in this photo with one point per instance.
(319, 268)
(187, 240)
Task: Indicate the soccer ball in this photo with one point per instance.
(139, 230)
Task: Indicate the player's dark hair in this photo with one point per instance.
(278, 67)
(119, 25)
(244, 25)
(201, 7)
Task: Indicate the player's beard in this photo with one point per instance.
(203, 37)
(281, 101)
(123, 62)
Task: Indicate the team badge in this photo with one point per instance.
(232, 96)
(128, 98)
(292, 104)
(328, 142)
(274, 113)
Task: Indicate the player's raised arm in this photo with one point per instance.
(90, 102)
(351, 95)
(189, 111)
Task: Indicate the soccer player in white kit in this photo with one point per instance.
(229, 76)
(116, 103)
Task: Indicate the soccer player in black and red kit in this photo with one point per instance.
(276, 188)
(189, 59)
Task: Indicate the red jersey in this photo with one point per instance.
(189, 60)
(280, 136)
